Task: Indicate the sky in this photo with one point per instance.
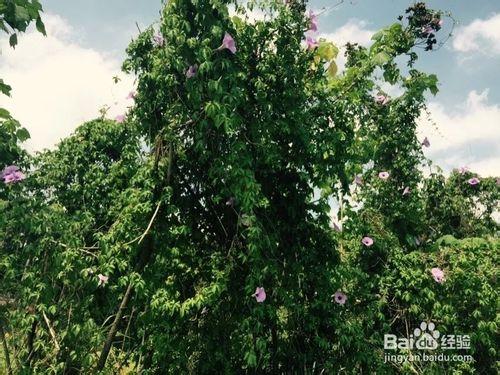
(64, 79)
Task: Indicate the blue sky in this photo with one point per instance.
(87, 41)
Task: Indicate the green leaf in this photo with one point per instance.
(332, 69)
(40, 26)
(378, 35)
(4, 113)
(432, 81)
(13, 40)
(22, 14)
(5, 88)
(327, 50)
(381, 58)
(22, 134)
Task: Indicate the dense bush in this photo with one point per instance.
(194, 235)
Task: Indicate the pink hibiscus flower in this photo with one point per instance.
(103, 280)
(311, 43)
(340, 297)
(367, 241)
(473, 181)
(383, 175)
(438, 274)
(228, 43)
(260, 294)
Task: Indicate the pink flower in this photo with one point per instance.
(103, 280)
(358, 180)
(427, 29)
(192, 70)
(228, 43)
(463, 170)
(340, 297)
(120, 118)
(426, 142)
(131, 95)
(158, 40)
(406, 191)
(313, 21)
(381, 99)
(438, 275)
(383, 175)
(14, 177)
(311, 43)
(12, 174)
(473, 181)
(438, 21)
(260, 294)
(367, 241)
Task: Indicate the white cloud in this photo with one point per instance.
(58, 84)
(469, 135)
(353, 31)
(479, 36)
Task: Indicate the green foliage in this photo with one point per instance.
(401, 295)
(223, 182)
(16, 15)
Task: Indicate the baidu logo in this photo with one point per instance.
(426, 337)
(422, 343)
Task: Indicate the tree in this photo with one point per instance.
(195, 237)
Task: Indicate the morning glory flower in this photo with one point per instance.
(340, 297)
(103, 280)
(367, 241)
(158, 40)
(463, 170)
(12, 174)
(311, 43)
(192, 70)
(14, 177)
(228, 43)
(260, 294)
(406, 191)
(473, 181)
(438, 274)
(381, 99)
(427, 29)
(383, 175)
(131, 95)
(426, 142)
(120, 118)
(313, 21)
(8, 170)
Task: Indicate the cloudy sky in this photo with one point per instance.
(63, 79)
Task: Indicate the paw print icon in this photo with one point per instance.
(426, 337)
